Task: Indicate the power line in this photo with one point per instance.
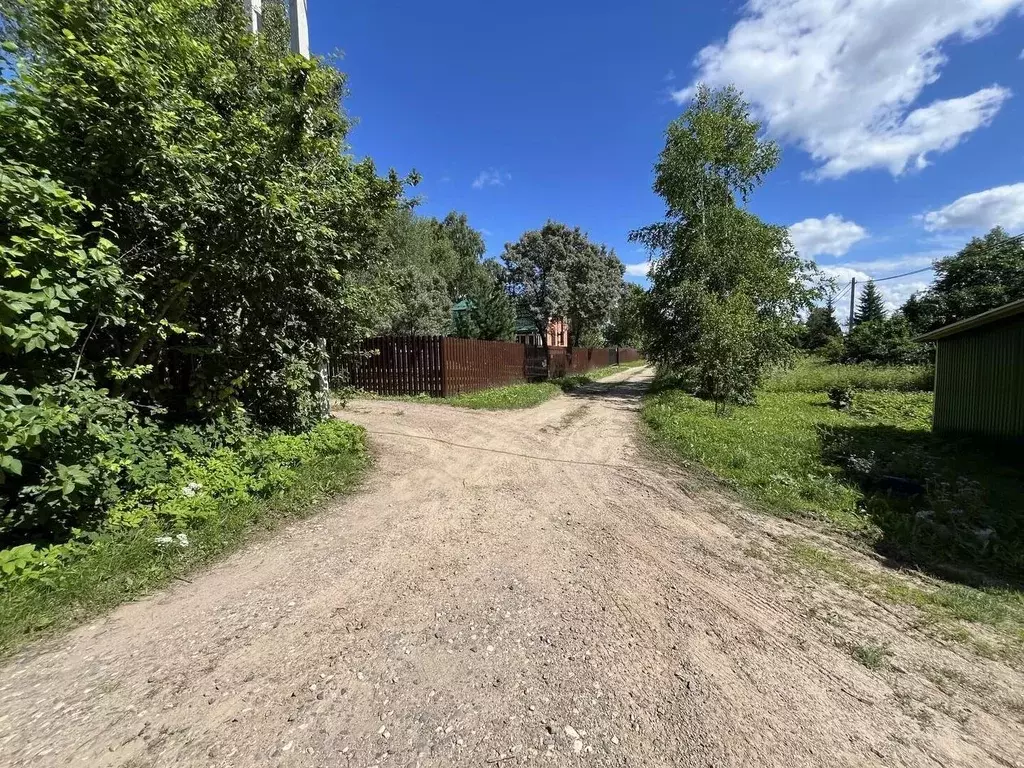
(905, 274)
(1008, 241)
(837, 296)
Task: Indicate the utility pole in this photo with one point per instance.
(297, 18)
(853, 297)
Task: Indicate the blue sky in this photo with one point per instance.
(902, 123)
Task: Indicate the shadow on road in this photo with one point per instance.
(624, 395)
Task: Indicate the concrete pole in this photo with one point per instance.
(253, 15)
(853, 300)
(300, 27)
(296, 17)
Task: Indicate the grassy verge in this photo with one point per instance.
(876, 473)
(516, 396)
(290, 476)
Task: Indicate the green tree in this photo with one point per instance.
(727, 287)
(219, 160)
(557, 272)
(870, 305)
(417, 275)
(626, 326)
(821, 327)
(986, 273)
(493, 314)
(428, 266)
(594, 275)
(888, 341)
(466, 275)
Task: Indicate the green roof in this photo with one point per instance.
(464, 305)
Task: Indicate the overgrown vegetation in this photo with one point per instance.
(812, 374)
(182, 238)
(195, 504)
(875, 470)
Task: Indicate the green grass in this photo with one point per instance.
(870, 655)
(504, 398)
(119, 568)
(875, 473)
(771, 451)
(811, 374)
(516, 396)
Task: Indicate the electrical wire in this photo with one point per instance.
(1000, 244)
(1008, 241)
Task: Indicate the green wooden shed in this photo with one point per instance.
(979, 374)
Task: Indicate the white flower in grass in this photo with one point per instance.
(191, 489)
(180, 540)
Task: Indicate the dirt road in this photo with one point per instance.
(509, 589)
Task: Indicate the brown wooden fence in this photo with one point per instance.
(442, 366)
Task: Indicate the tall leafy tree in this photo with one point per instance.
(466, 275)
(493, 313)
(536, 274)
(595, 286)
(418, 271)
(870, 305)
(726, 287)
(986, 273)
(557, 272)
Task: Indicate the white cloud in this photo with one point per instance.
(638, 270)
(840, 78)
(832, 236)
(895, 264)
(491, 178)
(999, 206)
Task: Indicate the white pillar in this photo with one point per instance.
(254, 15)
(300, 27)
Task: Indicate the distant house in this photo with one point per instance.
(979, 374)
(526, 332)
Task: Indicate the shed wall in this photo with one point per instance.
(979, 381)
